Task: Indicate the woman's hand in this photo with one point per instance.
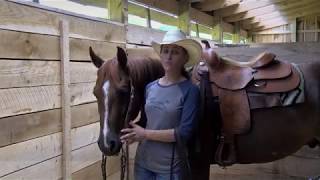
(136, 133)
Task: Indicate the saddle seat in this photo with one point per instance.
(232, 82)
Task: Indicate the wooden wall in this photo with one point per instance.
(30, 88)
(30, 92)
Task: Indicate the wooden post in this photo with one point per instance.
(184, 16)
(304, 28)
(236, 33)
(316, 29)
(293, 29)
(217, 31)
(250, 37)
(65, 100)
(197, 30)
(118, 10)
(148, 18)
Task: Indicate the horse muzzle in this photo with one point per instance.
(109, 145)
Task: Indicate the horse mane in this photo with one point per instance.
(144, 70)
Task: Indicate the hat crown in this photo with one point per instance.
(173, 36)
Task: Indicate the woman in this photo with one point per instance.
(171, 108)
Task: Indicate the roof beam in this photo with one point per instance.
(269, 26)
(246, 6)
(303, 11)
(252, 13)
(209, 5)
(294, 7)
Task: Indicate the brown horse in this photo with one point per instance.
(275, 132)
(116, 79)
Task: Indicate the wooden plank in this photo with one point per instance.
(172, 7)
(51, 169)
(43, 20)
(143, 36)
(292, 52)
(26, 100)
(65, 99)
(17, 45)
(18, 156)
(28, 126)
(203, 18)
(26, 73)
(141, 51)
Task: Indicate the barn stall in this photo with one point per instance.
(48, 117)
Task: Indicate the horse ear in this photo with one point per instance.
(97, 61)
(122, 59)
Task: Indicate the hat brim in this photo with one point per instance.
(193, 48)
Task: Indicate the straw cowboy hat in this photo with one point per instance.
(179, 38)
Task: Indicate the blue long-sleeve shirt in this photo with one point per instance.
(167, 107)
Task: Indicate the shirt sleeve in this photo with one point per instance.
(189, 115)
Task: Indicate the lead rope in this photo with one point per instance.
(103, 166)
(124, 153)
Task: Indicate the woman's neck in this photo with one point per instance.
(171, 78)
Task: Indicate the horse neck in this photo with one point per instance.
(142, 72)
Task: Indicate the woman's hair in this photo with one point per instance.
(184, 72)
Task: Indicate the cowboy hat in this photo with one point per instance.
(179, 38)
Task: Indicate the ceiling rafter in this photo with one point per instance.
(209, 5)
(290, 9)
(286, 17)
(264, 10)
(270, 24)
(246, 6)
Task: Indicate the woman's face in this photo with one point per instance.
(173, 57)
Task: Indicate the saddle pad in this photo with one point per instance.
(276, 85)
(275, 70)
(235, 111)
(230, 77)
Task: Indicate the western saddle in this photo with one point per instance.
(240, 87)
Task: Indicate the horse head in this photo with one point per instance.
(112, 90)
(119, 91)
